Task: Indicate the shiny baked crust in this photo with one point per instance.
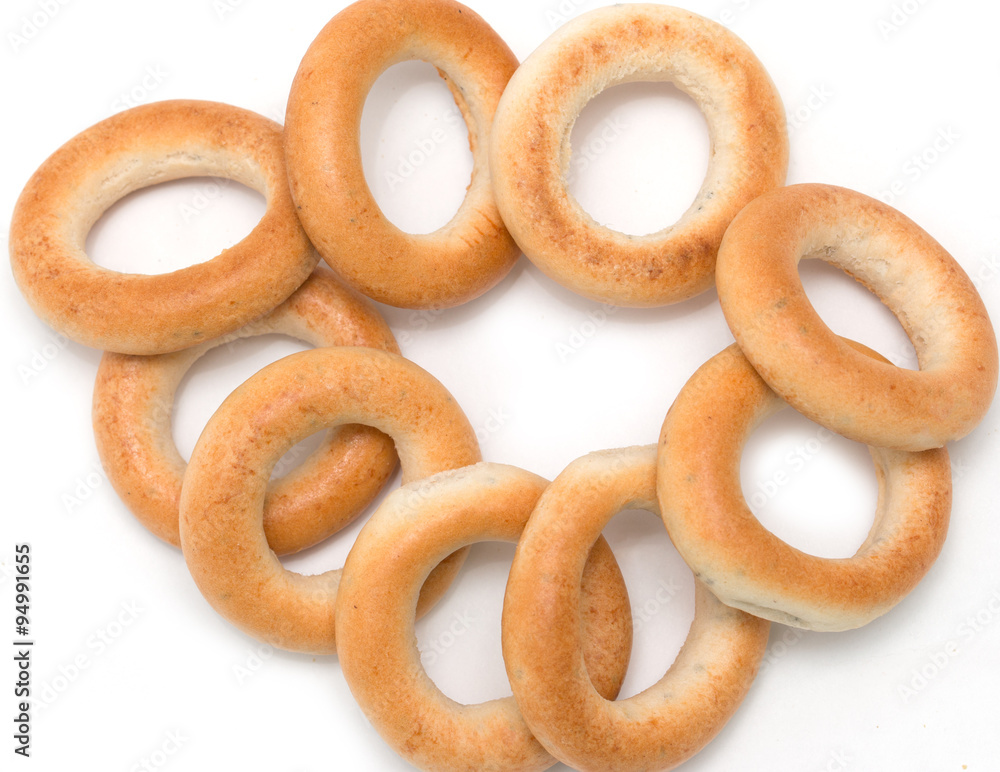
(531, 149)
(133, 404)
(154, 314)
(816, 371)
(471, 253)
(222, 499)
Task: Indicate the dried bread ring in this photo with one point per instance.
(222, 500)
(474, 251)
(748, 567)
(816, 371)
(414, 528)
(671, 720)
(531, 150)
(133, 402)
(140, 314)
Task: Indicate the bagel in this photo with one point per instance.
(530, 154)
(749, 568)
(459, 261)
(222, 499)
(376, 642)
(133, 403)
(140, 314)
(542, 643)
(819, 373)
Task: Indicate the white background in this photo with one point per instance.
(884, 81)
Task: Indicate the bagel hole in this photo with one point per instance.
(649, 143)
(851, 310)
(215, 375)
(459, 639)
(174, 225)
(415, 148)
(810, 487)
(661, 593)
(331, 554)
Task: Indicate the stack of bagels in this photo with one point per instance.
(566, 626)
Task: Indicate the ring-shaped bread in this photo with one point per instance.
(413, 529)
(531, 150)
(542, 644)
(815, 370)
(750, 568)
(133, 404)
(471, 253)
(222, 500)
(153, 314)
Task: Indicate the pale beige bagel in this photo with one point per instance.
(542, 643)
(816, 371)
(470, 254)
(750, 568)
(530, 154)
(222, 501)
(140, 314)
(133, 404)
(416, 527)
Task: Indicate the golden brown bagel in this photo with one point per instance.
(459, 261)
(542, 642)
(416, 527)
(133, 403)
(748, 567)
(135, 313)
(222, 500)
(531, 150)
(816, 371)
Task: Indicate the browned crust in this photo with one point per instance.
(133, 403)
(748, 567)
(531, 145)
(673, 719)
(816, 371)
(222, 498)
(141, 314)
(376, 642)
(474, 251)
